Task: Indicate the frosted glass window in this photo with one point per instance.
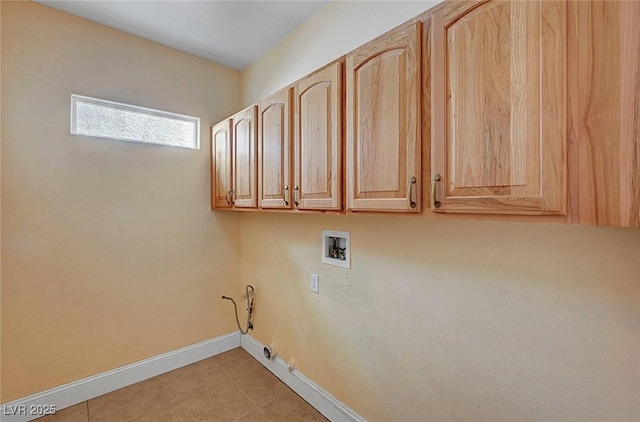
(124, 122)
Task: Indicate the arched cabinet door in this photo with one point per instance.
(499, 108)
(318, 140)
(245, 134)
(221, 165)
(383, 154)
(274, 150)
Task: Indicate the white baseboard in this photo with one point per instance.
(315, 395)
(76, 392)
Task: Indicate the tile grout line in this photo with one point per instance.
(257, 408)
(242, 391)
(269, 374)
(165, 394)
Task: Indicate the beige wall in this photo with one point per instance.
(443, 319)
(109, 251)
(454, 320)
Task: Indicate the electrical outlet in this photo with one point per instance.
(315, 283)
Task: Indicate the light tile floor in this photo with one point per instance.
(232, 386)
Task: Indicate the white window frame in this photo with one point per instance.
(75, 98)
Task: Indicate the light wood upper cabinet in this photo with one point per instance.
(245, 135)
(479, 106)
(499, 107)
(221, 165)
(604, 98)
(383, 153)
(318, 140)
(234, 161)
(274, 150)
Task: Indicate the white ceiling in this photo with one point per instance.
(232, 33)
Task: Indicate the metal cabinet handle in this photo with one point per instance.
(434, 191)
(284, 195)
(296, 190)
(233, 197)
(227, 196)
(412, 184)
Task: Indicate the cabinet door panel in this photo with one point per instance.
(245, 133)
(383, 124)
(274, 168)
(318, 140)
(604, 128)
(499, 108)
(221, 165)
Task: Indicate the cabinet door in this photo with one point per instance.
(318, 140)
(221, 165)
(604, 98)
(499, 108)
(383, 123)
(274, 143)
(245, 142)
